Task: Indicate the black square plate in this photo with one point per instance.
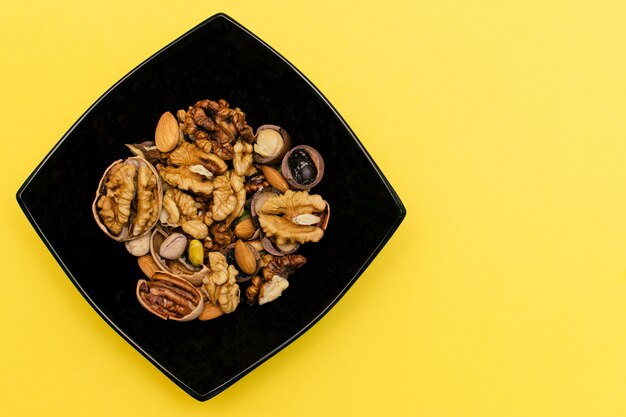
(217, 59)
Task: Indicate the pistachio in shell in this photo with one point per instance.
(179, 267)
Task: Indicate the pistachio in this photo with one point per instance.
(196, 252)
(173, 246)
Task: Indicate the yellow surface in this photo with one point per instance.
(502, 125)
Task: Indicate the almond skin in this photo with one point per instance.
(245, 229)
(167, 133)
(210, 312)
(147, 265)
(275, 178)
(245, 258)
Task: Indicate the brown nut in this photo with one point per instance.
(303, 167)
(166, 134)
(275, 178)
(245, 258)
(147, 265)
(170, 297)
(128, 200)
(210, 312)
(245, 229)
(231, 259)
(272, 142)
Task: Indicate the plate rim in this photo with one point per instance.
(203, 396)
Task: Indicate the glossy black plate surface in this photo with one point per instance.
(217, 59)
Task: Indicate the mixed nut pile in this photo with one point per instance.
(208, 207)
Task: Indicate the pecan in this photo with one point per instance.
(170, 297)
(283, 266)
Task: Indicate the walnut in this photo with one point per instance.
(272, 289)
(181, 209)
(147, 207)
(185, 179)
(221, 283)
(236, 182)
(243, 157)
(195, 228)
(224, 199)
(283, 266)
(222, 235)
(252, 292)
(120, 190)
(216, 122)
(189, 154)
(277, 213)
(255, 183)
(148, 151)
(128, 199)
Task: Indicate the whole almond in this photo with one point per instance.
(245, 258)
(210, 312)
(147, 265)
(167, 133)
(275, 178)
(245, 229)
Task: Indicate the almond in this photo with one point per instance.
(245, 229)
(245, 258)
(210, 312)
(147, 265)
(275, 178)
(306, 219)
(167, 133)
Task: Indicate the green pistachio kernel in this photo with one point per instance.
(196, 252)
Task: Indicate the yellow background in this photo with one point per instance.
(500, 124)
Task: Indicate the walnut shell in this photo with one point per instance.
(118, 213)
(170, 297)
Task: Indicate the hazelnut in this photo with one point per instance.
(272, 142)
(303, 167)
